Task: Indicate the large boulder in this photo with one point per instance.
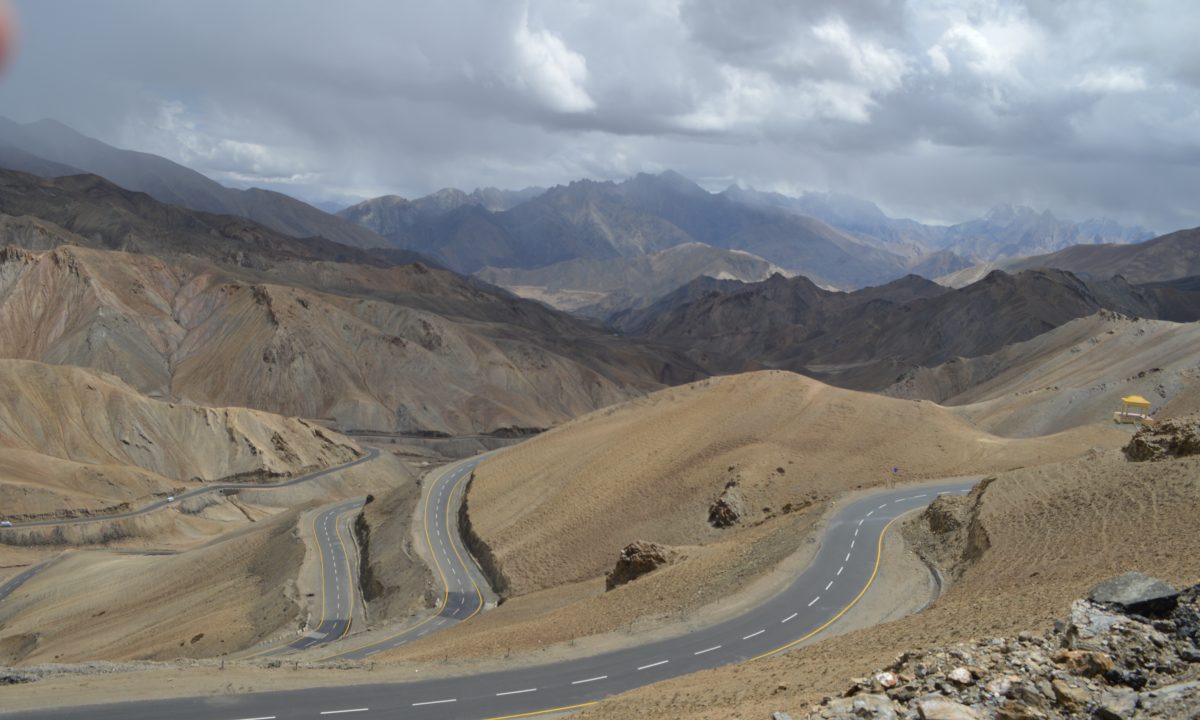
(637, 559)
(1136, 593)
(1177, 437)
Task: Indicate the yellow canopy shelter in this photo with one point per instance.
(1133, 410)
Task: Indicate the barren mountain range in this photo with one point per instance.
(599, 288)
(835, 240)
(50, 148)
(219, 310)
(1005, 231)
(1170, 257)
(566, 246)
(868, 338)
(643, 215)
(1068, 376)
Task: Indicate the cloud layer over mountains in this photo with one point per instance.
(937, 110)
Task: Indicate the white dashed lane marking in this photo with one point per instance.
(707, 650)
(829, 585)
(588, 680)
(654, 664)
(814, 601)
(754, 634)
(839, 572)
(342, 712)
(435, 702)
(516, 692)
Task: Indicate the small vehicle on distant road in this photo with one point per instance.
(5, 523)
(170, 498)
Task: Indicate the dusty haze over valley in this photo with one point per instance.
(687, 359)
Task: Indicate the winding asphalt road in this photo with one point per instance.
(335, 551)
(8, 587)
(841, 572)
(371, 454)
(331, 628)
(464, 590)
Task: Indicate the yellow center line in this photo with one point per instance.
(437, 565)
(832, 620)
(466, 570)
(349, 570)
(321, 552)
(781, 648)
(544, 712)
(317, 537)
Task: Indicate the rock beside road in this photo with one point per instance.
(1173, 438)
(637, 559)
(1127, 652)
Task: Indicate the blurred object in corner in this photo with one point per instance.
(8, 34)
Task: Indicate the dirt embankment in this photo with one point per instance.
(395, 581)
(479, 549)
(1052, 533)
(225, 596)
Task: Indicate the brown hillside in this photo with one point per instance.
(76, 440)
(416, 350)
(105, 605)
(560, 507)
(1071, 376)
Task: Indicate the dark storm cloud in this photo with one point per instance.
(935, 109)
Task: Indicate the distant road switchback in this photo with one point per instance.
(842, 571)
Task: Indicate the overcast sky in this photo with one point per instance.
(935, 110)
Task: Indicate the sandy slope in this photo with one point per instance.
(557, 509)
(1054, 531)
(113, 606)
(74, 439)
(243, 574)
(1071, 376)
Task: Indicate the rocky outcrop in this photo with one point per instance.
(727, 509)
(637, 559)
(948, 536)
(1136, 593)
(1124, 653)
(1173, 438)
